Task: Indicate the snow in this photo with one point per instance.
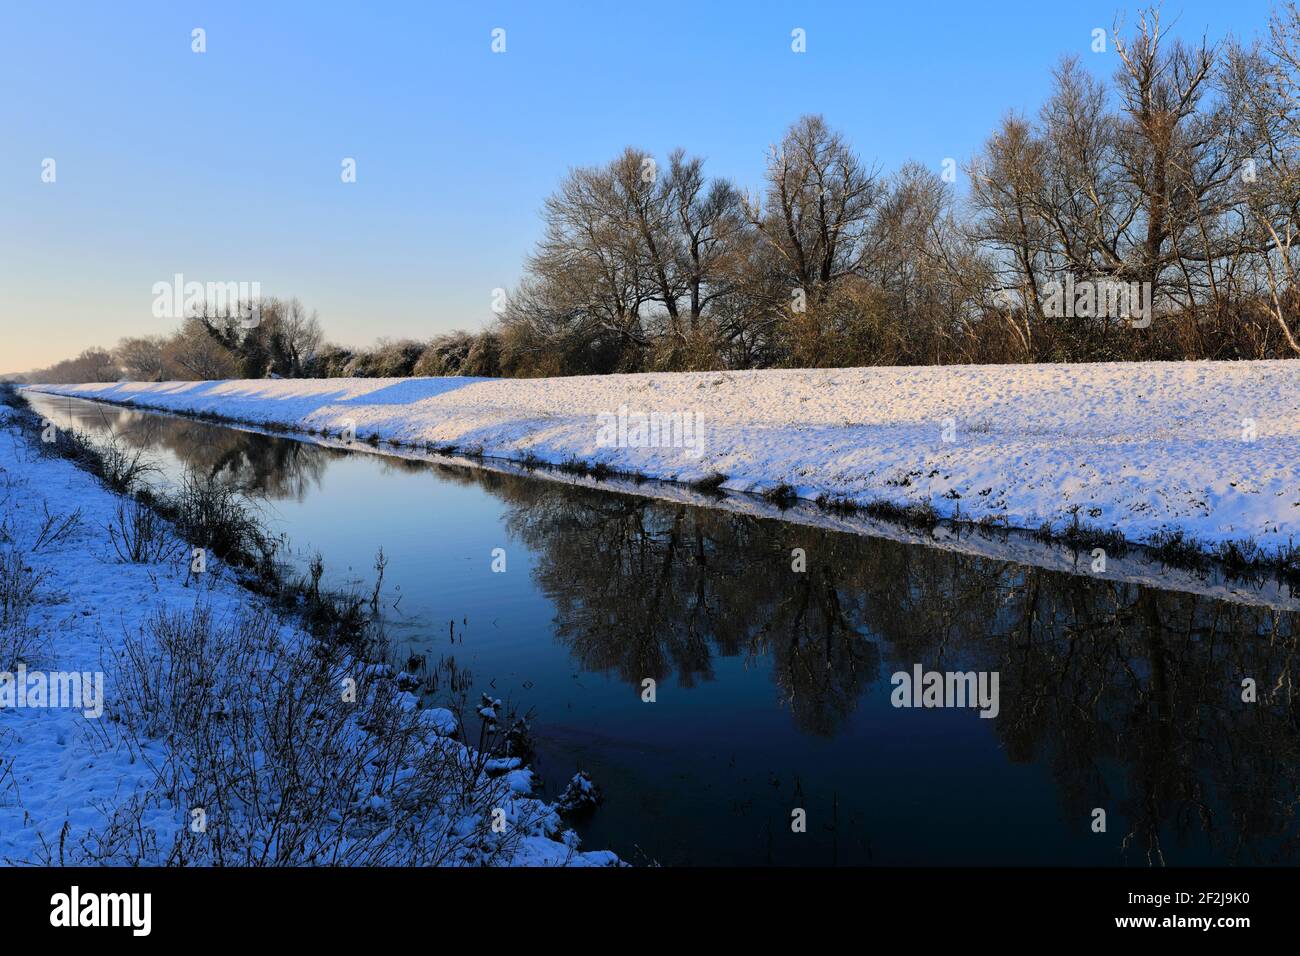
(1203, 447)
(59, 768)
(440, 720)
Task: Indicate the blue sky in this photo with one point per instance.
(225, 165)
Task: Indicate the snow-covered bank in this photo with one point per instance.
(69, 778)
(1206, 448)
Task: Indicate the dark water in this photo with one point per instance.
(773, 687)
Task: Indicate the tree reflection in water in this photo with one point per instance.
(1098, 678)
(261, 465)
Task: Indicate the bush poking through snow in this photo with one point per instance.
(288, 767)
(123, 469)
(519, 741)
(1238, 557)
(1178, 549)
(55, 527)
(211, 513)
(1080, 536)
(139, 535)
(580, 797)
(710, 484)
(783, 496)
(19, 587)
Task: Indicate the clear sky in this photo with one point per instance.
(225, 166)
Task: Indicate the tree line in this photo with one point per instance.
(1181, 176)
(269, 337)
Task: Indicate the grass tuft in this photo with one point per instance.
(710, 484)
(782, 495)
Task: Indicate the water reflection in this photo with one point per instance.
(1127, 697)
(646, 590)
(1096, 677)
(259, 464)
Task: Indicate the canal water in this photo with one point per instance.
(773, 676)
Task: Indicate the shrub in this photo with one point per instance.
(139, 534)
(289, 767)
(211, 513)
(19, 587)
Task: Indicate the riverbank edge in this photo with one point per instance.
(1236, 561)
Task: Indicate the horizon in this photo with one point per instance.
(456, 147)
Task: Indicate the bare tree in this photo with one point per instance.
(92, 365)
(707, 221)
(142, 358)
(1007, 184)
(930, 273)
(1263, 84)
(819, 197)
(1160, 139)
(587, 270)
(294, 337)
(1082, 203)
(200, 356)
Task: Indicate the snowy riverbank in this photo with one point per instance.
(94, 783)
(1205, 448)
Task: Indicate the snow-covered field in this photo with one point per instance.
(61, 768)
(1209, 448)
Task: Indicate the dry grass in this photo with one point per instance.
(140, 536)
(297, 755)
(20, 586)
